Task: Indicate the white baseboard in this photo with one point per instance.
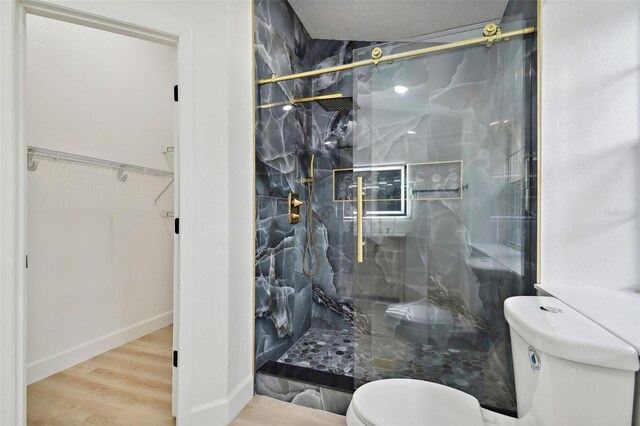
(45, 367)
(223, 411)
(240, 397)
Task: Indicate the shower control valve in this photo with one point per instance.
(294, 208)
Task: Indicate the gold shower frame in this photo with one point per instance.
(492, 34)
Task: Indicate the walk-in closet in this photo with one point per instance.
(100, 129)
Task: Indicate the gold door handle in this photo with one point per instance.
(359, 239)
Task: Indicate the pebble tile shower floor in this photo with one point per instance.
(326, 350)
(334, 351)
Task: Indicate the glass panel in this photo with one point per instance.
(429, 294)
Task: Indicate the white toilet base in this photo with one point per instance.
(400, 402)
(353, 419)
(490, 419)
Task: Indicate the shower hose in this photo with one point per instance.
(310, 250)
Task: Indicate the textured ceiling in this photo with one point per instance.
(391, 20)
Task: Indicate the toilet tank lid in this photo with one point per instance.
(554, 328)
(615, 310)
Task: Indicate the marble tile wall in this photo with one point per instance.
(331, 142)
(287, 301)
(283, 293)
(299, 393)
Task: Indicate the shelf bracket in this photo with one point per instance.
(121, 176)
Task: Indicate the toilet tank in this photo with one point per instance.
(568, 370)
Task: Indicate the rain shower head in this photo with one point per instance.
(335, 102)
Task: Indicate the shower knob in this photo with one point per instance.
(294, 208)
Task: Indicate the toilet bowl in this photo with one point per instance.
(416, 402)
(568, 371)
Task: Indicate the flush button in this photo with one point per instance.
(551, 309)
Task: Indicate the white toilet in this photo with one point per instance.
(568, 371)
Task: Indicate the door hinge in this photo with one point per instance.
(175, 93)
(176, 225)
(175, 359)
(26, 261)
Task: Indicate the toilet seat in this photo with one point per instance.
(412, 402)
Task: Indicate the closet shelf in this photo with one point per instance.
(48, 154)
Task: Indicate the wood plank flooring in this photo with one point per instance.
(129, 385)
(262, 410)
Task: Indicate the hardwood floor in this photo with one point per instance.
(129, 385)
(263, 410)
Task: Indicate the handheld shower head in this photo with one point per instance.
(310, 260)
(310, 179)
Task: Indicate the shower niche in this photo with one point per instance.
(444, 145)
(390, 194)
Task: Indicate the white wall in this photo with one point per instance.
(240, 198)
(590, 214)
(97, 93)
(216, 198)
(591, 143)
(100, 254)
(12, 372)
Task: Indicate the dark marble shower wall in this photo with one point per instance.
(287, 301)
(283, 294)
(331, 141)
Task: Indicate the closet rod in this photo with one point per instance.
(48, 154)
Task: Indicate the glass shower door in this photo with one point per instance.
(442, 147)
